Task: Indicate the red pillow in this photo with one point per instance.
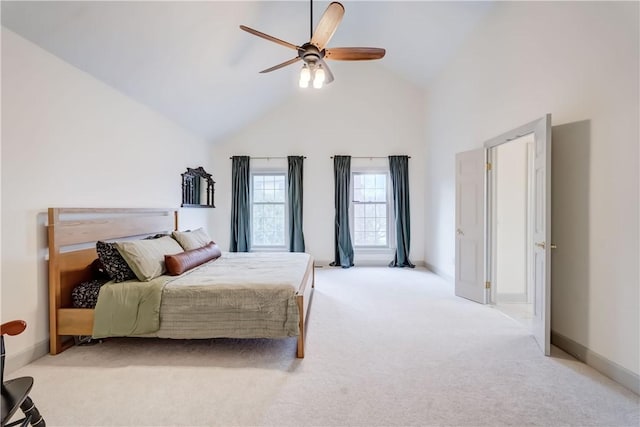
(184, 261)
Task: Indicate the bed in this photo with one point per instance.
(184, 310)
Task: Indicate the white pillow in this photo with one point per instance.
(146, 257)
(190, 240)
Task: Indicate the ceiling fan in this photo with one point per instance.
(314, 52)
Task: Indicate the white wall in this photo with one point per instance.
(366, 111)
(510, 173)
(579, 62)
(69, 140)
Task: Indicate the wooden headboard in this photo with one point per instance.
(72, 236)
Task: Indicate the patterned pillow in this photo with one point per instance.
(113, 263)
(98, 271)
(85, 295)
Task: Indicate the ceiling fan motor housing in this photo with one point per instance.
(310, 53)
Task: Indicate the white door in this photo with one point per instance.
(470, 225)
(540, 212)
(542, 234)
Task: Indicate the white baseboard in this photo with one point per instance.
(13, 362)
(601, 364)
(439, 272)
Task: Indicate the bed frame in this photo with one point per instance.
(72, 236)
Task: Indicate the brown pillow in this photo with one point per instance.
(184, 261)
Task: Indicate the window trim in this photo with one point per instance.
(390, 246)
(266, 248)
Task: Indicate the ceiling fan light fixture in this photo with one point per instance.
(318, 78)
(305, 76)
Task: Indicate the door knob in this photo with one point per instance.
(459, 232)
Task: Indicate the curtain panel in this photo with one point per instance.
(399, 170)
(294, 190)
(240, 205)
(342, 177)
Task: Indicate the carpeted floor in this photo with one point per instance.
(385, 347)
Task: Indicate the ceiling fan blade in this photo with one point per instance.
(268, 37)
(354, 53)
(284, 64)
(328, 75)
(327, 25)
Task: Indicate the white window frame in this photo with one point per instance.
(267, 248)
(391, 241)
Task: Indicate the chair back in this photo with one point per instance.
(15, 327)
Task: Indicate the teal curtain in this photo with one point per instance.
(240, 231)
(294, 189)
(342, 179)
(399, 169)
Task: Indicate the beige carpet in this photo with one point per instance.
(385, 347)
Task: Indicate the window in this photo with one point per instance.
(268, 203)
(370, 209)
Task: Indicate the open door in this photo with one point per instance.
(540, 212)
(470, 225)
(542, 234)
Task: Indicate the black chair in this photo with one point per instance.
(15, 393)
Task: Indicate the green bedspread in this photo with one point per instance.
(129, 308)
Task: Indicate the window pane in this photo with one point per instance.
(358, 224)
(369, 181)
(369, 224)
(370, 211)
(268, 182)
(258, 182)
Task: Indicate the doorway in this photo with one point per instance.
(512, 191)
(476, 238)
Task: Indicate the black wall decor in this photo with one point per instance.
(197, 189)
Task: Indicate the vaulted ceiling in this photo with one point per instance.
(191, 62)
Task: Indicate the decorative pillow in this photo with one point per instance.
(190, 240)
(85, 295)
(146, 257)
(113, 263)
(98, 271)
(179, 263)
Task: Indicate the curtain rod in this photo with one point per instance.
(268, 158)
(369, 157)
